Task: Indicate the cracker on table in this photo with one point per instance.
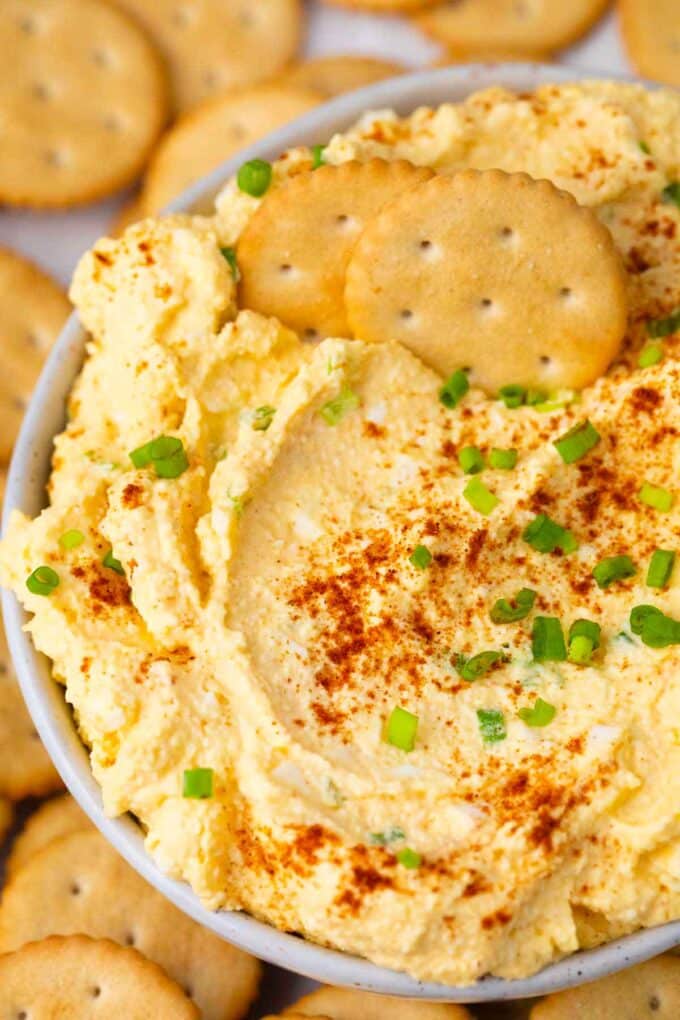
(79, 884)
(333, 75)
(57, 817)
(351, 1004)
(649, 991)
(651, 33)
(479, 28)
(492, 272)
(83, 98)
(203, 139)
(25, 767)
(294, 250)
(211, 46)
(78, 977)
(33, 309)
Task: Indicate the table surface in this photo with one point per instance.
(56, 240)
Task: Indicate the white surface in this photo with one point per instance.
(56, 240)
(53, 720)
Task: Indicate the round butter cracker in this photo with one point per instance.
(55, 818)
(83, 98)
(493, 272)
(650, 991)
(480, 28)
(211, 46)
(350, 1004)
(383, 6)
(79, 884)
(294, 250)
(651, 33)
(79, 978)
(203, 139)
(333, 75)
(33, 309)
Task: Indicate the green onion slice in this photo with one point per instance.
(401, 729)
(491, 725)
(671, 193)
(254, 177)
(421, 557)
(333, 411)
(112, 563)
(584, 638)
(547, 640)
(392, 835)
(639, 614)
(197, 783)
(42, 581)
(656, 496)
(509, 611)
(660, 568)
(71, 539)
(475, 667)
(263, 417)
(655, 628)
(512, 396)
(546, 535)
(588, 629)
(613, 568)
(409, 858)
(479, 497)
(454, 389)
(535, 397)
(577, 442)
(317, 156)
(657, 328)
(651, 354)
(166, 453)
(644, 147)
(540, 714)
(503, 460)
(471, 460)
(230, 255)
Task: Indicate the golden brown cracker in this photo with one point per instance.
(294, 251)
(333, 75)
(494, 272)
(57, 817)
(78, 978)
(650, 991)
(350, 1004)
(383, 6)
(79, 884)
(529, 27)
(33, 309)
(83, 98)
(203, 139)
(25, 767)
(211, 46)
(651, 33)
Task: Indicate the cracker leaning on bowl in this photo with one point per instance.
(651, 34)
(333, 75)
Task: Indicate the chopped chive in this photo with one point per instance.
(479, 497)
(401, 729)
(613, 568)
(586, 628)
(317, 156)
(141, 457)
(512, 396)
(656, 496)
(254, 177)
(475, 667)
(112, 563)
(166, 453)
(454, 389)
(577, 442)
(651, 354)
(584, 638)
(660, 568)
(536, 397)
(639, 614)
(657, 328)
(671, 193)
(540, 714)
(509, 611)
(471, 460)
(421, 557)
(230, 255)
(42, 581)
(503, 460)
(409, 858)
(333, 411)
(547, 640)
(197, 783)
(71, 539)
(263, 417)
(546, 535)
(656, 630)
(645, 148)
(491, 725)
(392, 835)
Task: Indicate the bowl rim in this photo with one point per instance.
(45, 698)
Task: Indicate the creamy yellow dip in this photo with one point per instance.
(266, 617)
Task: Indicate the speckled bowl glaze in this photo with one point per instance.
(52, 717)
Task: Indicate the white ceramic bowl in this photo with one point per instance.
(52, 717)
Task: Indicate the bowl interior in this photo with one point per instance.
(26, 490)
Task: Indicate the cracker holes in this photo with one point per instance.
(95, 991)
(75, 888)
(129, 938)
(56, 158)
(486, 306)
(113, 122)
(212, 78)
(285, 268)
(19, 404)
(654, 1003)
(181, 17)
(405, 314)
(29, 25)
(189, 990)
(507, 236)
(246, 18)
(22, 1015)
(42, 91)
(102, 57)
(344, 222)
(237, 131)
(311, 334)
